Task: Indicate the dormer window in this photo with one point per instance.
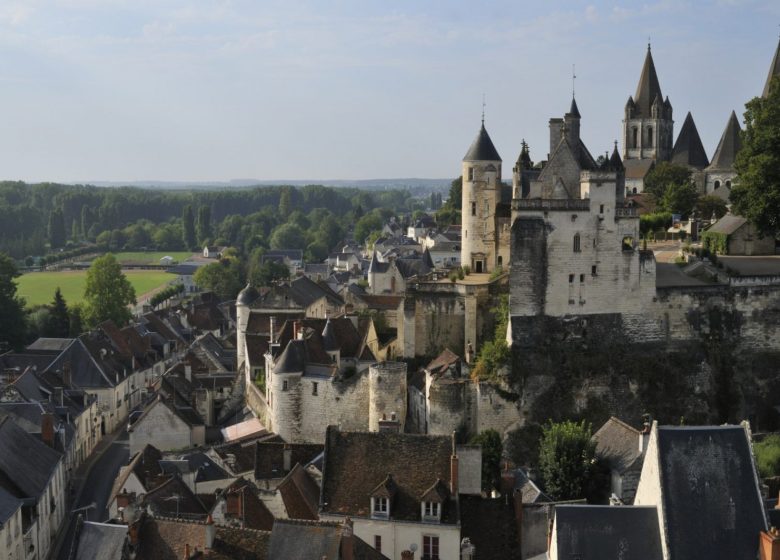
(381, 498)
(431, 511)
(431, 502)
(380, 507)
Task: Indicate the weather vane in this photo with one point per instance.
(573, 77)
(483, 108)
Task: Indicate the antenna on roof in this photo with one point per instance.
(483, 108)
(573, 77)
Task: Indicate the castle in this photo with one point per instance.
(596, 325)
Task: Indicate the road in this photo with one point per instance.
(95, 485)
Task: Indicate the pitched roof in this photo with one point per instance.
(729, 145)
(100, 541)
(774, 70)
(53, 345)
(442, 363)
(307, 539)
(482, 148)
(300, 494)
(617, 444)
(688, 150)
(26, 461)
(638, 168)
(648, 87)
(269, 457)
(174, 497)
(728, 224)
(710, 494)
(254, 513)
(611, 532)
(146, 466)
(8, 505)
(356, 463)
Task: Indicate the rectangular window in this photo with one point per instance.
(378, 543)
(431, 509)
(314, 387)
(593, 270)
(471, 173)
(487, 208)
(473, 208)
(601, 209)
(571, 278)
(380, 507)
(430, 547)
(577, 248)
(582, 278)
(285, 385)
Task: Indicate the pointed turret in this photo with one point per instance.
(482, 148)
(615, 162)
(573, 110)
(648, 87)
(688, 150)
(774, 70)
(427, 259)
(524, 159)
(730, 143)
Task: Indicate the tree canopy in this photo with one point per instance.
(663, 175)
(756, 194)
(492, 451)
(58, 324)
(567, 460)
(12, 323)
(107, 293)
(224, 278)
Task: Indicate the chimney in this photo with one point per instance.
(297, 330)
(347, 542)
(188, 372)
(454, 469)
(507, 480)
(211, 533)
(47, 428)
(769, 548)
(407, 555)
(66, 375)
(123, 499)
(644, 436)
(287, 458)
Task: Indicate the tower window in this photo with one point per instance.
(601, 208)
(473, 208)
(717, 184)
(650, 136)
(728, 184)
(593, 270)
(576, 242)
(634, 137)
(571, 278)
(285, 386)
(582, 278)
(314, 387)
(471, 173)
(487, 207)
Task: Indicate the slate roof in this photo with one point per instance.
(728, 147)
(292, 254)
(8, 505)
(99, 541)
(638, 168)
(300, 494)
(728, 224)
(93, 361)
(409, 267)
(52, 345)
(710, 494)
(617, 444)
(357, 462)
(573, 111)
(774, 70)
(25, 461)
(482, 148)
(377, 267)
(172, 497)
(602, 532)
(269, 457)
(247, 295)
(146, 466)
(648, 87)
(688, 150)
(300, 539)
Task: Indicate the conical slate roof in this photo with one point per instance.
(482, 148)
(688, 150)
(774, 70)
(615, 162)
(730, 143)
(247, 295)
(573, 110)
(648, 87)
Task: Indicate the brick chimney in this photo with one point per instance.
(769, 548)
(347, 540)
(211, 533)
(454, 468)
(47, 428)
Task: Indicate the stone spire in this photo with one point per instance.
(688, 150)
(482, 148)
(774, 70)
(730, 143)
(648, 88)
(573, 110)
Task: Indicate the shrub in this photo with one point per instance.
(768, 456)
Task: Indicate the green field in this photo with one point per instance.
(150, 257)
(38, 287)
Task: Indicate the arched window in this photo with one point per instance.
(728, 184)
(634, 137)
(717, 185)
(576, 242)
(634, 190)
(500, 260)
(650, 136)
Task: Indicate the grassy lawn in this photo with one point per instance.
(38, 287)
(151, 257)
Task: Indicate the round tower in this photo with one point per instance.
(387, 393)
(481, 193)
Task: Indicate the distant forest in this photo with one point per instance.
(44, 218)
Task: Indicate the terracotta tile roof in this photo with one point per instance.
(357, 462)
(253, 513)
(442, 363)
(300, 494)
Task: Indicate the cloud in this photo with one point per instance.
(591, 14)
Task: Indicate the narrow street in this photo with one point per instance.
(94, 484)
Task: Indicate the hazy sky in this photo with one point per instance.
(177, 90)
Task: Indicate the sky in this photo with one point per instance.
(171, 90)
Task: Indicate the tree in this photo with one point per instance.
(58, 324)
(224, 278)
(756, 195)
(188, 228)
(663, 175)
(86, 221)
(680, 198)
(12, 325)
(288, 236)
(367, 225)
(107, 293)
(455, 198)
(492, 451)
(204, 225)
(76, 312)
(268, 272)
(710, 205)
(316, 251)
(567, 458)
(285, 202)
(56, 229)
(768, 455)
